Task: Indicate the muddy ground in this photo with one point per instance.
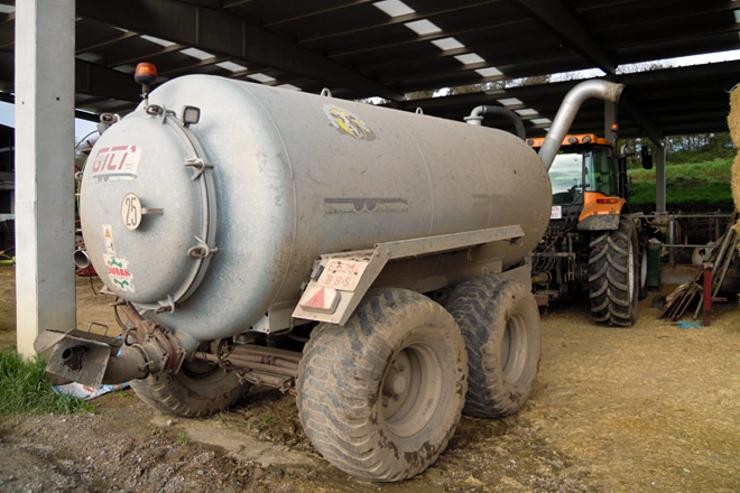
(651, 408)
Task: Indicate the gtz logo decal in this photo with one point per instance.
(116, 163)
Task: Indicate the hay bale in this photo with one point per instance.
(736, 180)
(733, 119)
(733, 122)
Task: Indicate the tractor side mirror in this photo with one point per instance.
(646, 157)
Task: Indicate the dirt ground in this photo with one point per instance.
(651, 408)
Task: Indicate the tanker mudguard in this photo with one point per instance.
(339, 281)
(600, 222)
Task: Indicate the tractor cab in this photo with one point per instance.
(588, 180)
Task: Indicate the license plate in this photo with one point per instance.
(342, 274)
(556, 212)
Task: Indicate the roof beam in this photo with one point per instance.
(651, 129)
(234, 3)
(400, 19)
(392, 44)
(192, 66)
(91, 79)
(223, 33)
(559, 18)
(107, 42)
(158, 51)
(304, 14)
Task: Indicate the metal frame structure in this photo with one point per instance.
(359, 51)
(85, 57)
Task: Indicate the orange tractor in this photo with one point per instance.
(593, 243)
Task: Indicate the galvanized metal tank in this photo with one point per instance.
(272, 178)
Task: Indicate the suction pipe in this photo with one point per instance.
(600, 89)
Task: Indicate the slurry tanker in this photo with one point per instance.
(373, 262)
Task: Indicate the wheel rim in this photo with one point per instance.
(411, 389)
(631, 278)
(514, 348)
(643, 268)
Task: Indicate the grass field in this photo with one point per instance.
(699, 185)
(24, 389)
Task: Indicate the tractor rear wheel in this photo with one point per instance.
(381, 396)
(500, 322)
(614, 275)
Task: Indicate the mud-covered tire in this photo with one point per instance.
(500, 322)
(380, 397)
(198, 389)
(613, 275)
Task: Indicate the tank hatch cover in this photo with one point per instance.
(148, 209)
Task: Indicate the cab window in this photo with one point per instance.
(600, 174)
(566, 175)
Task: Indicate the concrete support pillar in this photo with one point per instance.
(660, 179)
(44, 167)
(610, 118)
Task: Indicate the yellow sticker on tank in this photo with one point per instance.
(348, 123)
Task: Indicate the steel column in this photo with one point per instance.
(610, 118)
(44, 168)
(660, 179)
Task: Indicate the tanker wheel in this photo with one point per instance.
(500, 322)
(380, 397)
(198, 389)
(614, 276)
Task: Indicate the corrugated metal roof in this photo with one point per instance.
(389, 48)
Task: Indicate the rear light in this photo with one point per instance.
(607, 201)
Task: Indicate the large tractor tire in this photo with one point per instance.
(614, 275)
(197, 390)
(380, 397)
(500, 322)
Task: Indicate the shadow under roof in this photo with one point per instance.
(390, 48)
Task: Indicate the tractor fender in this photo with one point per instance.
(600, 212)
(600, 222)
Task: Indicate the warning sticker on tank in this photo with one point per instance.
(116, 163)
(108, 239)
(118, 273)
(348, 123)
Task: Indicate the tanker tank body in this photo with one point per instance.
(222, 212)
(293, 176)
